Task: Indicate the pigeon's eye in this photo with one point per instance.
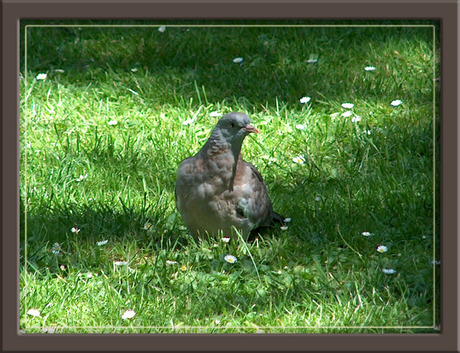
(232, 124)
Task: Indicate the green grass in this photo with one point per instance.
(109, 181)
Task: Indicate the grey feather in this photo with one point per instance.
(217, 191)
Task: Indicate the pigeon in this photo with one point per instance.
(217, 192)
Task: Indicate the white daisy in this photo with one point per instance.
(305, 100)
(171, 262)
(287, 220)
(355, 119)
(370, 68)
(147, 226)
(103, 242)
(34, 312)
(75, 230)
(56, 248)
(366, 234)
(112, 122)
(82, 177)
(347, 114)
(389, 271)
(348, 105)
(284, 227)
(298, 159)
(162, 29)
(215, 114)
(312, 59)
(317, 198)
(238, 60)
(230, 259)
(300, 127)
(128, 314)
(41, 77)
(396, 102)
(120, 263)
(382, 248)
(226, 239)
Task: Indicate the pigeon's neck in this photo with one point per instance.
(217, 145)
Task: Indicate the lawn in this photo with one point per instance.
(349, 149)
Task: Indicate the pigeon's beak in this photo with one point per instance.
(250, 128)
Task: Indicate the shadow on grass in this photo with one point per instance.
(197, 62)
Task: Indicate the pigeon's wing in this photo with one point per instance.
(188, 179)
(254, 202)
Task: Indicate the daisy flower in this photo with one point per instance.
(396, 102)
(238, 60)
(75, 230)
(305, 100)
(287, 220)
(171, 262)
(317, 198)
(147, 226)
(120, 263)
(348, 105)
(183, 268)
(366, 234)
(82, 177)
(41, 77)
(284, 227)
(389, 271)
(128, 314)
(162, 29)
(355, 119)
(382, 248)
(103, 242)
(112, 122)
(34, 312)
(230, 259)
(56, 248)
(299, 160)
(215, 114)
(347, 114)
(370, 68)
(312, 59)
(300, 127)
(226, 239)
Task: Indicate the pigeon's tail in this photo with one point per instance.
(261, 230)
(277, 218)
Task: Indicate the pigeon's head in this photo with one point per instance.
(234, 127)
